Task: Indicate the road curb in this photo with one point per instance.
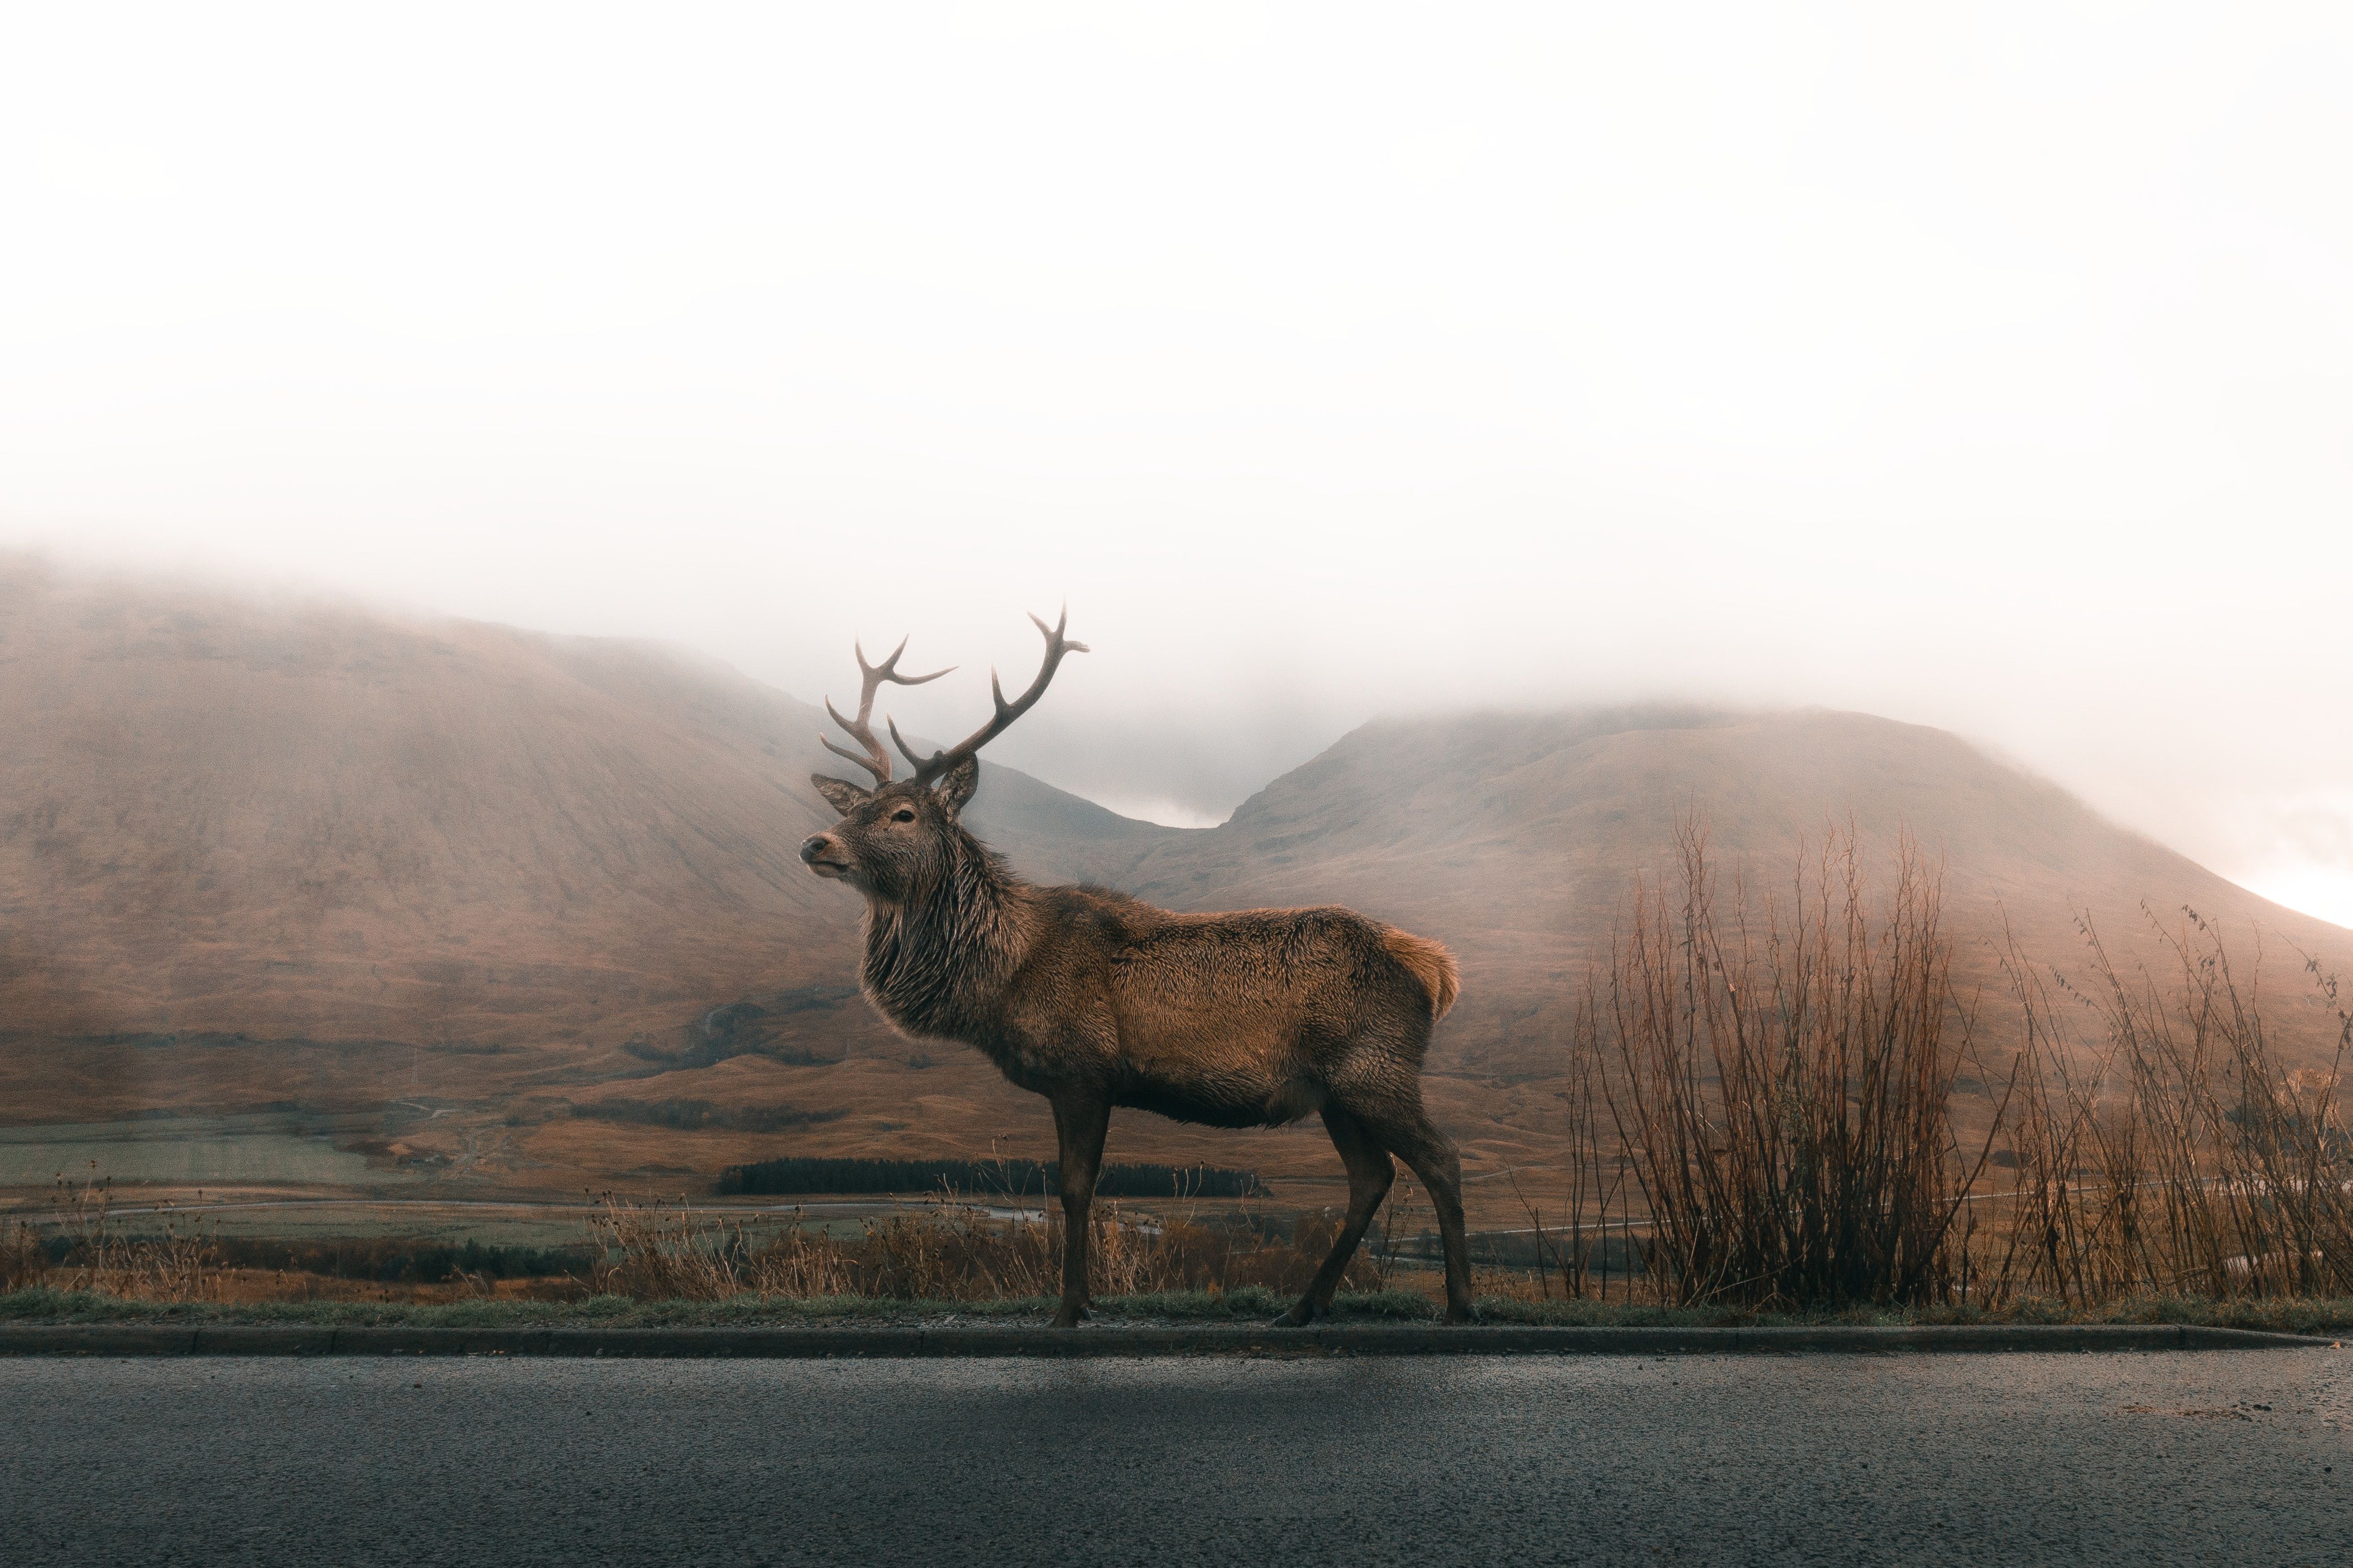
(1112, 1340)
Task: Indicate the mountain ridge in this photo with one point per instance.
(254, 853)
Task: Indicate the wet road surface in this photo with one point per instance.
(2235, 1456)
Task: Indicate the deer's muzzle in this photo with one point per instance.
(820, 853)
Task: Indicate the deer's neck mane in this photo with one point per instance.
(937, 961)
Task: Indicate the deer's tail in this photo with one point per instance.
(1429, 962)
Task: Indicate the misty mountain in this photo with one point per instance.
(1517, 839)
(294, 820)
(528, 862)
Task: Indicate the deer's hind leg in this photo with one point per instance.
(1431, 1155)
(1390, 1111)
(1379, 1085)
(1370, 1173)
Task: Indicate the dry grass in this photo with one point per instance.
(24, 1258)
(946, 1250)
(98, 1255)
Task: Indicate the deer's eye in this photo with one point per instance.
(902, 815)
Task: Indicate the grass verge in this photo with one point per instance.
(1246, 1306)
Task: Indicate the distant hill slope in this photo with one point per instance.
(1515, 838)
(507, 874)
(290, 820)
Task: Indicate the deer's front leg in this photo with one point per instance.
(1079, 1122)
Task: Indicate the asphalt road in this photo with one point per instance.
(2237, 1457)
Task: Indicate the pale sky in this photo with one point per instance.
(1983, 367)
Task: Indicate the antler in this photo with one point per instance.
(1057, 644)
(870, 678)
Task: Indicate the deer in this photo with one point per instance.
(1096, 1000)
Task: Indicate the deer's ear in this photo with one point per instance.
(841, 793)
(956, 788)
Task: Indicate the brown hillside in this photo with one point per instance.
(1516, 837)
(327, 859)
(287, 853)
(298, 821)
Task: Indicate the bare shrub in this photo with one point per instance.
(1781, 1082)
(1575, 1245)
(1780, 1079)
(2180, 1153)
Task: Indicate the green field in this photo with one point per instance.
(181, 1152)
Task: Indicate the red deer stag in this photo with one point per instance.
(1094, 999)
